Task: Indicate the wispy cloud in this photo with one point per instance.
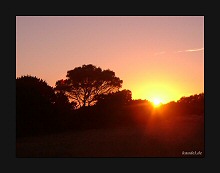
(191, 50)
(194, 50)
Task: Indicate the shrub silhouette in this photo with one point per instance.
(41, 110)
(193, 104)
(118, 99)
(38, 108)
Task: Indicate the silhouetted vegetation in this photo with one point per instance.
(192, 105)
(84, 84)
(117, 99)
(38, 107)
(96, 103)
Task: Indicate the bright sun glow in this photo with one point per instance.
(157, 102)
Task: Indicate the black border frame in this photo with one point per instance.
(117, 164)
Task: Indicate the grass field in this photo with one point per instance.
(157, 137)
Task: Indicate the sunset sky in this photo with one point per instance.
(156, 57)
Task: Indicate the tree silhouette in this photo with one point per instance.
(63, 103)
(38, 108)
(193, 104)
(34, 105)
(84, 84)
(119, 98)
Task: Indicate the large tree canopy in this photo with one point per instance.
(34, 105)
(38, 108)
(84, 84)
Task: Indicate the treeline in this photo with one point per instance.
(42, 109)
(191, 105)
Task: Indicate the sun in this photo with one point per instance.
(157, 102)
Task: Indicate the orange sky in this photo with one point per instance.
(156, 57)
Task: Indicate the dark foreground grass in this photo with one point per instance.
(158, 136)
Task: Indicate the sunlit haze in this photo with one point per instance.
(156, 57)
(157, 102)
